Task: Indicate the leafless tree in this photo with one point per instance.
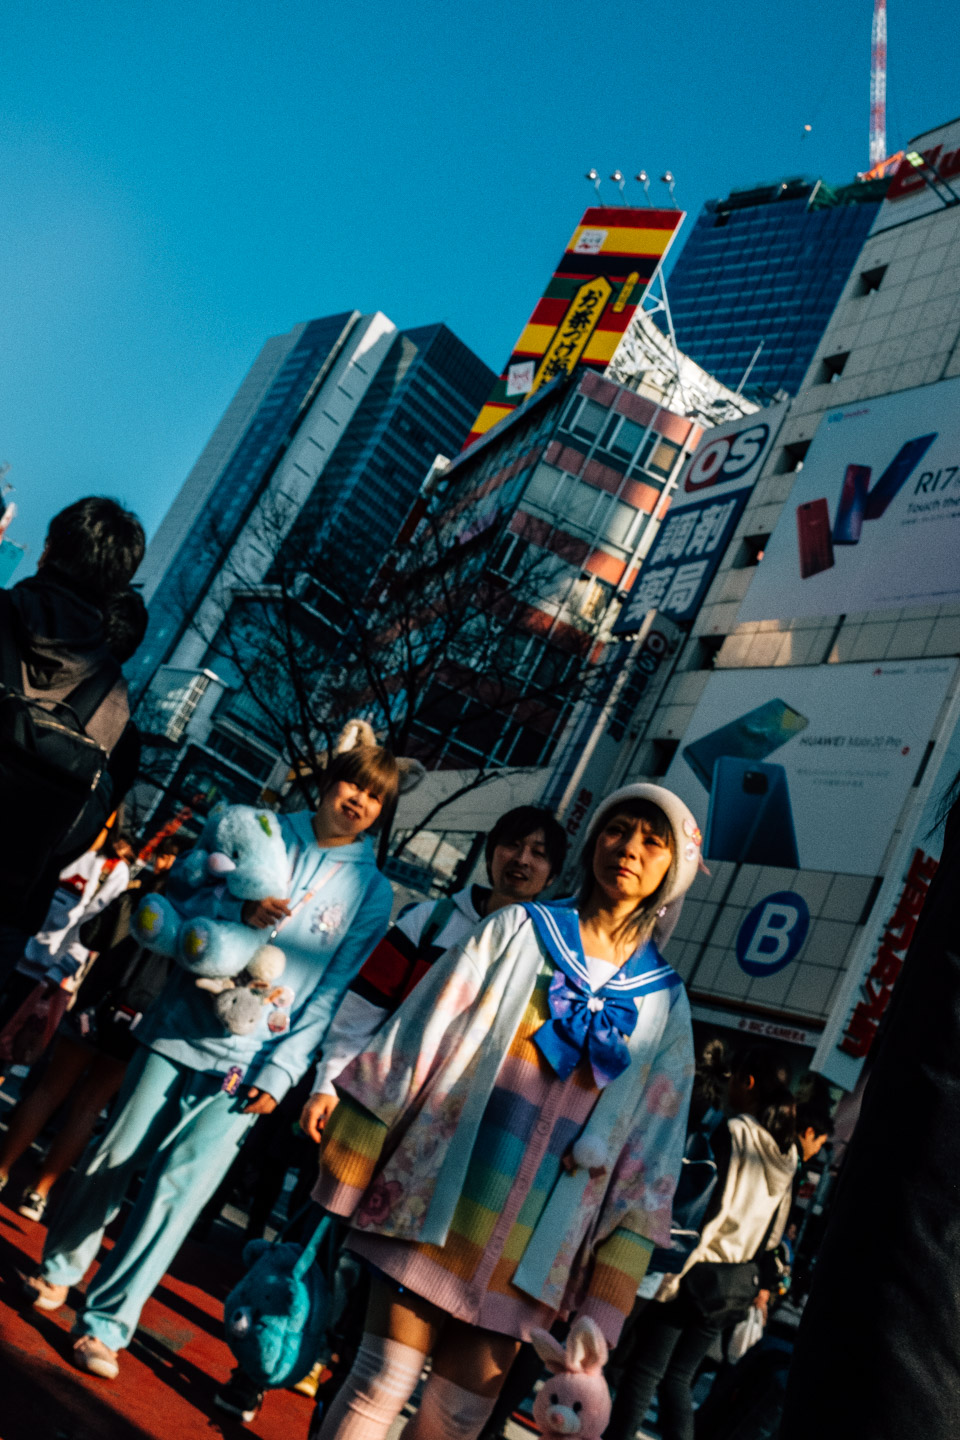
(462, 648)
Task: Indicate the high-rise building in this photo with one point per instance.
(762, 271)
(570, 490)
(335, 425)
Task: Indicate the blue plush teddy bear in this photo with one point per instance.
(241, 850)
(276, 1316)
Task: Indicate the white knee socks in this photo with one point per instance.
(384, 1376)
(448, 1412)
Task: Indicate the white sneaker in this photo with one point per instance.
(42, 1294)
(32, 1205)
(92, 1355)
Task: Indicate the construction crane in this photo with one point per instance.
(878, 84)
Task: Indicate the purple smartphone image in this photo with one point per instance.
(852, 505)
(907, 458)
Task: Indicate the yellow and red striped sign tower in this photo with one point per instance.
(603, 275)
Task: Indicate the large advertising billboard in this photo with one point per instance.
(873, 520)
(710, 497)
(807, 768)
(603, 274)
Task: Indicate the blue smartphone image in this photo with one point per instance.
(852, 505)
(750, 820)
(753, 736)
(907, 458)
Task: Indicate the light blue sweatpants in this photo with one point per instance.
(158, 1098)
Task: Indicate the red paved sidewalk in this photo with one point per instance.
(167, 1377)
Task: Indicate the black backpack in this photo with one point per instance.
(49, 765)
(695, 1190)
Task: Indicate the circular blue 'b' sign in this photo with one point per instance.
(772, 933)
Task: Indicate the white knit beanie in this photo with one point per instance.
(686, 832)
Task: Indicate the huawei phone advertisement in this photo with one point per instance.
(873, 520)
(807, 768)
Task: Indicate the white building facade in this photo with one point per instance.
(822, 666)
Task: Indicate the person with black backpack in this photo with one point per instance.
(68, 749)
(725, 1274)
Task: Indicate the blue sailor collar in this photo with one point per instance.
(584, 1021)
(558, 925)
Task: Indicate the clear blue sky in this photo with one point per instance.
(181, 180)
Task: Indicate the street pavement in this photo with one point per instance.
(167, 1377)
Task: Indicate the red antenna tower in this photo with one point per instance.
(878, 84)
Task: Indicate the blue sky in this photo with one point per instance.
(182, 180)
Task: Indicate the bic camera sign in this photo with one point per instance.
(772, 934)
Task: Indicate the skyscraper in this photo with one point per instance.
(765, 268)
(340, 420)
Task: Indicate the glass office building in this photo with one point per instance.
(420, 402)
(768, 265)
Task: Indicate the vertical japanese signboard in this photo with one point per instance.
(603, 274)
(711, 495)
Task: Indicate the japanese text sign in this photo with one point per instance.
(682, 561)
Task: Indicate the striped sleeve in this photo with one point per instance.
(351, 1151)
(620, 1265)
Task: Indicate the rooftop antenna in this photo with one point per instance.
(669, 180)
(746, 374)
(619, 181)
(594, 179)
(878, 84)
(642, 178)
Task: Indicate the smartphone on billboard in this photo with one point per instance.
(753, 736)
(907, 458)
(852, 505)
(813, 538)
(750, 820)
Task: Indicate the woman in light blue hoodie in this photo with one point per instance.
(193, 1091)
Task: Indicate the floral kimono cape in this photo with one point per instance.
(428, 1074)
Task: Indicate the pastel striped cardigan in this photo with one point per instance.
(427, 1078)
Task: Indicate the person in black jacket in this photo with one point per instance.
(74, 619)
(878, 1353)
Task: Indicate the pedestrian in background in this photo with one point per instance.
(757, 1161)
(68, 750)
(193, 1090)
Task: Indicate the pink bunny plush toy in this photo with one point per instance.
(575, 1399)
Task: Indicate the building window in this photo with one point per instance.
(750, 551)
(662, 753)
(871, 280)
(595, 596)
(260, 766)
(659, 456)
(507, 557)
(623, 438)
(793, 456)
(832, 367)
(588, 423)
(708, 648)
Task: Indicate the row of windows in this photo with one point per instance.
(630, 446)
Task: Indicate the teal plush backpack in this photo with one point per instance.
(275, 1318)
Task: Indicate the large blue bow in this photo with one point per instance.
(587, 1022)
